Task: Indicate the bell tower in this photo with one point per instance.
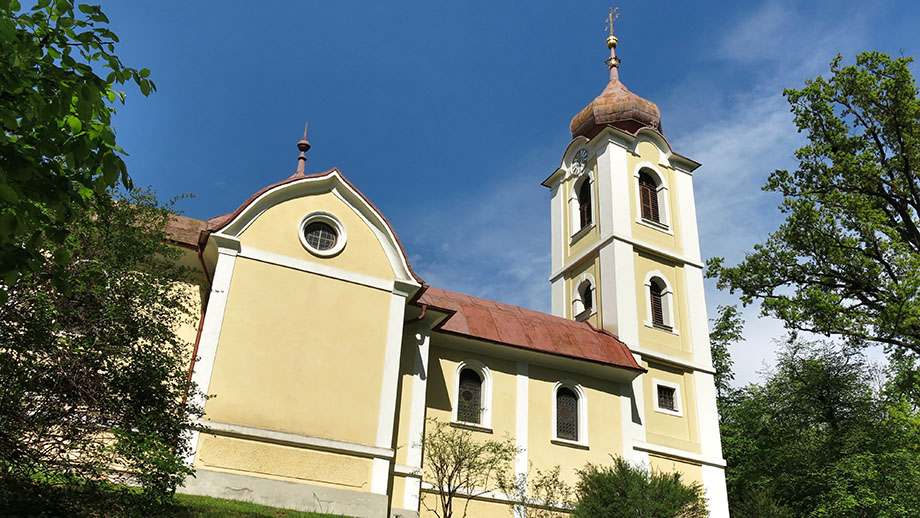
(626, 258)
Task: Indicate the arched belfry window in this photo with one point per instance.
(469, 404)
(566, 414)
(660, 303)
(584, 203)
(472, 394)
(584, 301)
(656, 292)
(648, 197)
(581, 202)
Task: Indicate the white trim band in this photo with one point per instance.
(255, 254)
(626, 239)
(680, 454)
(293, 439)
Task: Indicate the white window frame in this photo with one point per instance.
(332, 221)
(575, 387)
(664, 208)
(667, 303)
(578, 305)
(678, 398)
(486, 394)
(576, 230)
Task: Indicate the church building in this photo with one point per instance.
(324, 354)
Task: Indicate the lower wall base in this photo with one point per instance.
(289, 495)
(403, 513)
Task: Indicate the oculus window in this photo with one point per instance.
(322, 234)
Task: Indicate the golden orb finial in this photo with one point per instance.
(612, 17)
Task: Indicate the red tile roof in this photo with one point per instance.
(518, 327)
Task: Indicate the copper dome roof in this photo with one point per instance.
(616, 106)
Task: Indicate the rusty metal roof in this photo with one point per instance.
(184, 230)
(527, 329)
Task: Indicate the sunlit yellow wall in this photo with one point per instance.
(665, 429)
(590, 266)
(277, 230)
(397, 492)
(286, 463)
(187, 327)
(690, 472)
(605, 435)
(441, 371)
(647, 152)
(673, 344)
(300, 353)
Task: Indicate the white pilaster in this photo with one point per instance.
(386, 419)
(615, 202)
(412, 494)
(637, 417)
(521, 430)
(696, 313)
(557, 226)
(716, 493)
(687, 211)
(227, 250)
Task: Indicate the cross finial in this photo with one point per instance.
(612, 17)
(303, 146)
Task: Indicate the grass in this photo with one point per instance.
(206, 507)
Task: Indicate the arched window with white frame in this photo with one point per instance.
(659, 302)
(570, 414)
(472, 394)
(652, 198)
(584, 297)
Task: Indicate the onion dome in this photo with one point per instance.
(616, 106)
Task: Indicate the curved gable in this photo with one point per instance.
(270, 221)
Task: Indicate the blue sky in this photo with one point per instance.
(449, 115)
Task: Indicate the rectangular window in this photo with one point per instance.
(666, 398)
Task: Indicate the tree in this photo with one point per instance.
(727, 329)
(538, 493)
(817, 439)
(626, 491)
(93, 372)
(57, 146)
(461, 468)
(846, 261)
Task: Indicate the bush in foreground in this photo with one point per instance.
(623, 490)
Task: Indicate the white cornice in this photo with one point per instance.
(680, 454)
(293, 439)
(679, 258)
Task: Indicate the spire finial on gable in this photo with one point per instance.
(303, 146)
(613, 62)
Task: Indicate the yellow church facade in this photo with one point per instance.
(323, 353)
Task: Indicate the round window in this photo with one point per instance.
(322, 234)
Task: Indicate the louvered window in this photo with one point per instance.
(566, 414)
(666, 398)
(584, 203)
(648, 194)
(655, 296)
(469, 406)
(587, 297)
